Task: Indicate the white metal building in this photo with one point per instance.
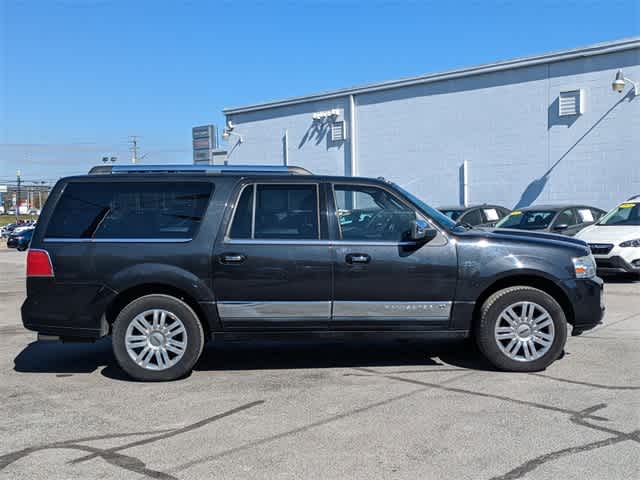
(547, 128)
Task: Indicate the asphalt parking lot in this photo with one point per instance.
(332, 410)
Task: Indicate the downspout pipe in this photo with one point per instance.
(352, 165)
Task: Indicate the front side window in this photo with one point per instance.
(567, 217)
(288, 212)
(472, 217)
(126, 210)
(372, 214)
(527, 220)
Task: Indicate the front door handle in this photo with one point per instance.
(358, 258)
(232, 258)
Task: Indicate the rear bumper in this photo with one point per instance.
(587, 300)
(66, 310)
(615, 264)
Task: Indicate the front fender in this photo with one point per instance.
(480, 267)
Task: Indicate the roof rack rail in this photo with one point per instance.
(209, 169)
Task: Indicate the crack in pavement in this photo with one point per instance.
(578, 417)
(305, 428)
(475, 393)
(111, 455)
(586, 384)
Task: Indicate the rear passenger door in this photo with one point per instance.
(272, 266)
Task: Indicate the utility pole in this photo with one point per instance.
(18, 197)
(133, 148)
(133, 140)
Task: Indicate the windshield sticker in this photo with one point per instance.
(585, 215)
(491, 214)
(627, 205)
(513, 214)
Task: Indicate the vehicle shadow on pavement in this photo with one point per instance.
(64, 358)
(621, 278)
(303, 355)
(69, 358)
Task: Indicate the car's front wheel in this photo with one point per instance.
(521, 329)
(157, 338)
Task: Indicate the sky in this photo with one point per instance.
(78, 77)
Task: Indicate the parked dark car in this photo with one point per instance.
(563, 219)
(165, 258)
(476, 215)
(20, 240)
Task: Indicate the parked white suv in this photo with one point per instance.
(615, 239)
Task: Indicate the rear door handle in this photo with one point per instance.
(357, 258)
(232, 258)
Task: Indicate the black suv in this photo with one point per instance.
(164, 258)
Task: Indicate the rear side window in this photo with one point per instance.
(160, 210)
(241, 226)
(288, 212)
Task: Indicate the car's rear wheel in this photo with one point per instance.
(21, 247)
(521, 329)
(157, 338)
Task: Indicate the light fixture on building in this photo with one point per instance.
(228, 131)
(331, 115)
(620, 82)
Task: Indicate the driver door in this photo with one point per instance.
(382, 279)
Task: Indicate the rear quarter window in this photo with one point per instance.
(160, 210)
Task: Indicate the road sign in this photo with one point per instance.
(205, 139)
(3, 189)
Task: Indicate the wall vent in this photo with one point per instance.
(337, 131)
(571, 103)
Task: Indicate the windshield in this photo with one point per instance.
(437, 216)
(623, 214)
(452, 214)
(529, 220)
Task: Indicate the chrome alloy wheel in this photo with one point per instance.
(524, 331)
(156, 339)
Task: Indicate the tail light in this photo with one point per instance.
(39, 264)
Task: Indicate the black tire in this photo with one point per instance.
(490, 313)
(21, 248)
(194, 335)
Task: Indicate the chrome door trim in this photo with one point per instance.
(330, 243)
(391, 310)
(264, 310)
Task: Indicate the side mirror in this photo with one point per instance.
(560, 227)
(421, 231)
